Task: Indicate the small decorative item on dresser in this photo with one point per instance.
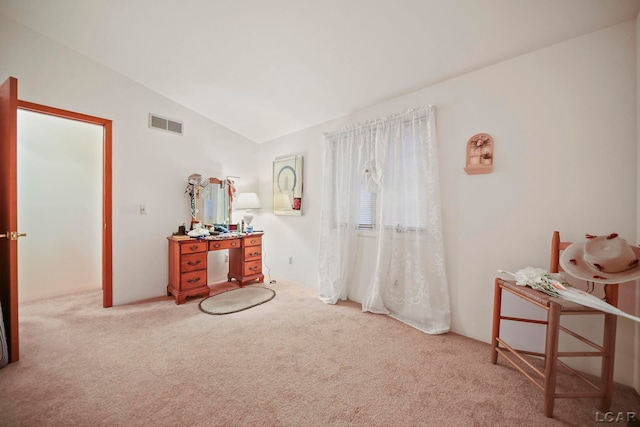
(479, 154)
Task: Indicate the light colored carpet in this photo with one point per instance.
(292, 362)
(236, 300)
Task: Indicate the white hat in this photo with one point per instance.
(602, 259)
(197, 179)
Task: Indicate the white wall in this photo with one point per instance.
(564, 124)
(149, 166)
(59, 206)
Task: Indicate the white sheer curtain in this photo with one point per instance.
(382, 176)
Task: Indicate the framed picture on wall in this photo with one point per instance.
(287, 186)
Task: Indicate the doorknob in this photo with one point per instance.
(12, 235)
(15, 235)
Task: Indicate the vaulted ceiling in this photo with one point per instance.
(265, 68)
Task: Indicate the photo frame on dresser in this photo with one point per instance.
(287, 185)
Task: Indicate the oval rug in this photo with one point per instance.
(236, 300)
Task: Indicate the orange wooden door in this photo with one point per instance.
(9, 213)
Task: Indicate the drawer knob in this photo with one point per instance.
(233, 243)
(194, 262)
(193, 247)
(194, 280)
(217, 245)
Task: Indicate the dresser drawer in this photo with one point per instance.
(191, 262)
(252, 267)
(253, 241)
(193, 279)
(193, 247)
(216, 245)
(252, 252)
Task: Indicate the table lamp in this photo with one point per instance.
(247, 201)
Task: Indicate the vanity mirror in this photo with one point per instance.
(212, 203)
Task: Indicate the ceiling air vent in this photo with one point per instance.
(162, 123)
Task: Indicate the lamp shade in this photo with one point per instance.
(247, 201)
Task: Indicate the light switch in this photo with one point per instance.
(143, 208)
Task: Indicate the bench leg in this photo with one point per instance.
(551, 358)
(495, 330)
(609, 346)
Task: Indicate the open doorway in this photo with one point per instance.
(70, 224)
(59, 205)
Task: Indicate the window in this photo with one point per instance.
(382, 175)
(405, 178)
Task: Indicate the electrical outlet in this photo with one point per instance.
(290, 260)
(143, 208)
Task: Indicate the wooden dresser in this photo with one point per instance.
(188, 263)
